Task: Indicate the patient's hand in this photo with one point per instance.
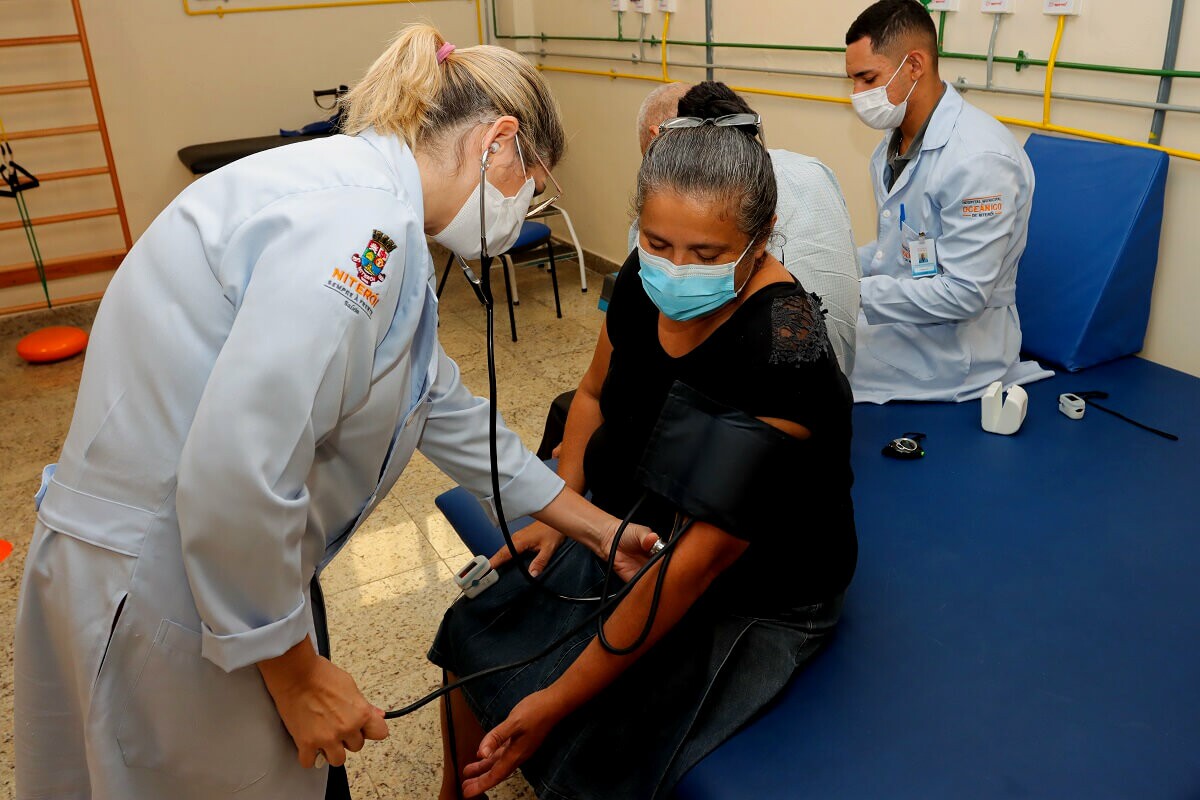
(538, 537)
(511, 743)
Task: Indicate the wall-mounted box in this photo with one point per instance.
(1061, 8)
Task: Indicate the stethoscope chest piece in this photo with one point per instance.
(905, 448)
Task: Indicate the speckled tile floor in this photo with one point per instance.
(387, 590)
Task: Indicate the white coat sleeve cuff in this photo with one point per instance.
(530, 490)
(236, 650)
(868, 295)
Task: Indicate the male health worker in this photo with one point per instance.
(953, 191)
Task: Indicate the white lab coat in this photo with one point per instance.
(246, 402)
(815, 243)
(949, 336)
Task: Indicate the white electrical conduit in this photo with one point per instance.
(1079, 98)
(991, 54)
(959, 84)
(692, 65)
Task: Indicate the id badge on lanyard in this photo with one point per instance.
(920, 252)
(923, 257)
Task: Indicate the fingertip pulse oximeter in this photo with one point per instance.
(476, 576)
(1071, 405)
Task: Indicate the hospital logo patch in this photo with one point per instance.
(990, 206)
(374, 257)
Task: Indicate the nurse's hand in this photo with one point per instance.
(511, 743)
(538, 537)
(595, 529)
(634, 552)
(320, 705)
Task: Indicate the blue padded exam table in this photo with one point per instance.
(1025, 619)
(1024, 622)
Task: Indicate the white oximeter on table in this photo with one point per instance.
(1071, 405)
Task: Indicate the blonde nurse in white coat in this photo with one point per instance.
(953, 191)
(261, 369)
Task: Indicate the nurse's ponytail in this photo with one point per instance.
(408, 92)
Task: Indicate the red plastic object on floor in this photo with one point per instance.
(52, 344)
(5, 549)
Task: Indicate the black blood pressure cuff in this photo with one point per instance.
(715, 463)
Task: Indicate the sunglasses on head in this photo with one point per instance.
(726, 121)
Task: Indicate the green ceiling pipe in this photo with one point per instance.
(1022, 60)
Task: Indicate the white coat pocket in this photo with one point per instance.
(192, 721)
(921, 351)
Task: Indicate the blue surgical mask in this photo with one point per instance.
(687, 291)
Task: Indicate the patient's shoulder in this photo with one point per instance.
(797, 329)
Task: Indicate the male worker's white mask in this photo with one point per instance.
(876, 109)
(504, 216)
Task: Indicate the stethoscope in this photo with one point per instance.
(605, 602)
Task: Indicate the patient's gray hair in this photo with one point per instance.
(726, 165)
(659, 106)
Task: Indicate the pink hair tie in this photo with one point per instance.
(444, 51)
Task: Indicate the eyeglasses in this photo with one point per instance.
(476, 282)
(541, 205)
(727, 121)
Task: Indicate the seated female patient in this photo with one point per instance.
(701, 302)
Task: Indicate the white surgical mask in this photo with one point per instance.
(875, 108)
(505, 215)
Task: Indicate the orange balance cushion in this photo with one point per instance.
(52, 344)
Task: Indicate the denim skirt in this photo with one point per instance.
(636, 738)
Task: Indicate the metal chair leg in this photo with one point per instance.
(553, 276)
(508, 294)
(578, 250)
(512, 275)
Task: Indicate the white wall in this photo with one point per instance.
(168, 80)
(602, 162)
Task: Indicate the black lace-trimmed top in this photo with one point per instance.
(771, 358)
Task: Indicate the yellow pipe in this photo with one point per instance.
(601, 74)
(221, 11)
(1100, 137)
(747, 89)
(824, 98)
(1022, 123)
(666, 30)
(479, 19)
(1058, 35)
